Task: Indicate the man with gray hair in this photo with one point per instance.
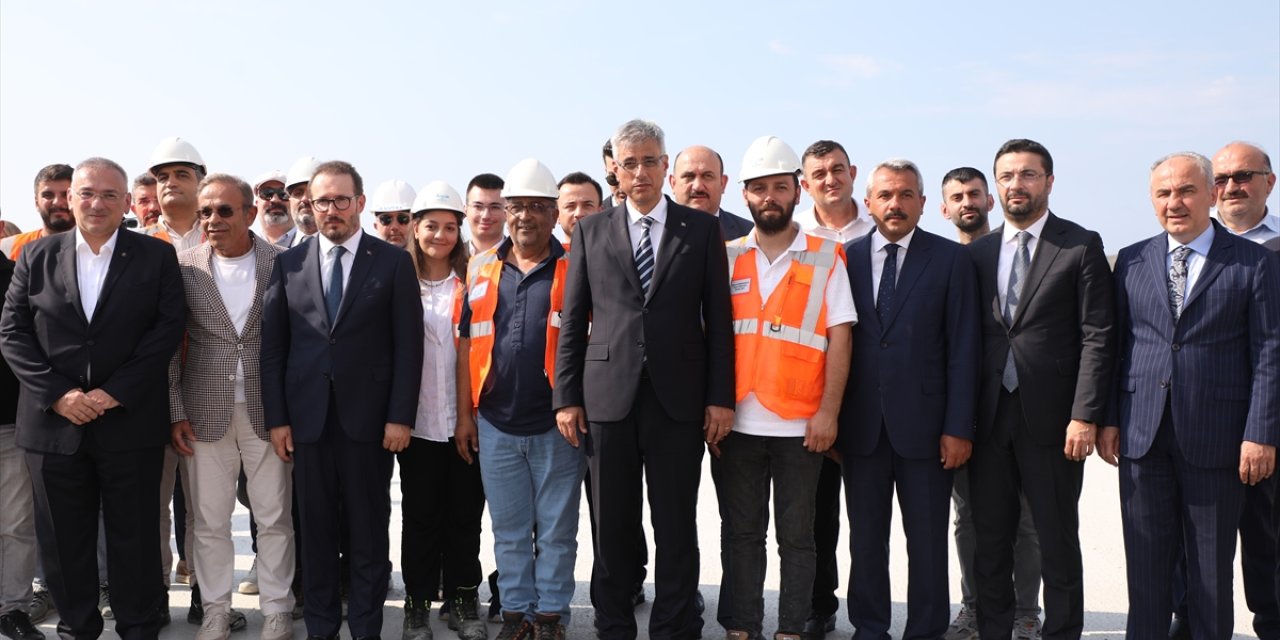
(272, 202)
(146, 206)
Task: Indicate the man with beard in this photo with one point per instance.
(486, 212)
(966, 202)
(178, 169)
(579, 197)
(390, 206)
(793, 313)
(145, 207)
(53, 187)
(296, 182)
(1045, 298)
(698, 182)
(272, 201)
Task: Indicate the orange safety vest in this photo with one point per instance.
(156, 231)
(15, 243)
(780, 344)
(483, 273)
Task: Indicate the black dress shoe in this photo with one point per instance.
(17, 625)
(1179, 629)
(819, 627)
(699, 604)
(637, 596)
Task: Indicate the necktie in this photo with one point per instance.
(333, 296)
(644, 255)
(888, 281)
(1021, 260)
(1178, 280)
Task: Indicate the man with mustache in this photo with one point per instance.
(698, 182)
(295, 184)
(486, 212)
(146, 206)
(53, 186)
(272, 202)
(390, 206)
(178, 169)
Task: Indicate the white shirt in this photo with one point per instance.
(659, 217)
(752, 417)
(183, 241)
(237, 280)
(879, 255)
(1195, 260)
(1009, 246)
(861, 225)
(438, 395)
(1266, 229)
(348, 258)
(91, 270)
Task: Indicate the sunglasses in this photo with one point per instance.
(224, 211)
(387, 218)
(1240, 177)
(267, 194)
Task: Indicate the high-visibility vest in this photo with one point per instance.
(13, 244)
(156, 231)
(780, 344)
(483, 274)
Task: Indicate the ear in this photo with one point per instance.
(724, 182)
(991, 203)
(671, 180)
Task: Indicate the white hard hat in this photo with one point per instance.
(301, 171)
(274, 175)
(438, 196)
(768, 156)
(532, 179)
(392, 195)
(176, 150)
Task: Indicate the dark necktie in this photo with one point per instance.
(644, 255)
(1178, 280)
(888, 281)
(1012, 295)
(333, 296)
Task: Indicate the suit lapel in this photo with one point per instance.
(360, 264)
(986, 255)
(1219, 252)
(67, 273)
(1047, 249)
(265, 262)
(918, 255)
(311, 265)
(676, 226)
(620, 245)
(209, 286)
(120, 258)
(1153, 257)
(860, 281)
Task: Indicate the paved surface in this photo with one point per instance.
(1105, 596)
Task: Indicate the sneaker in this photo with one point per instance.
(104, 602)
(964, 627)
(1026, 628)
(464, 617)
(182, 574)
(514, 627)
(417, 620)
(546, 626)
(249, 586)
(277, 626)
(41, 606)
(216, 626)
(17, 625)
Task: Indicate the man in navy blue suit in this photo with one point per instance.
(1196, 404)
(341, 365)
(908, 414)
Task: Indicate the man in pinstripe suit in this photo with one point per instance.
(1196, 408)
(215, 404)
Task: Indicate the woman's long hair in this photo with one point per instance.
(458, 256)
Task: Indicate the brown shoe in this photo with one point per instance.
(546, 626)
(515, 627)
(736, 635)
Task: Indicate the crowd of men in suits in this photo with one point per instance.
(575, 339)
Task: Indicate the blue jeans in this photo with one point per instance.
(532, 485)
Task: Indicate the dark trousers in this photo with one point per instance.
(1009, 460)
(68, 491)
(442, 503)
(1170, 506)
(924, 497)
(826, 536)
(358, 474)
(642, 543)
(669, 453)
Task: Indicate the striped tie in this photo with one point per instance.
(1021, 260)
(644, 255)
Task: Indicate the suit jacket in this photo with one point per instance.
(370, 359)
(286, 240)
(202, 389)
(1063, 334)
(733, 227)
(124, 349)
(1217, 365)
(8, 383)
(1273, 244)
(918, 373)
(681, 332)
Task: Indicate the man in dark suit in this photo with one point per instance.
(915, 367)
(1195, 422)
(1273, 244)
(90, 322)
(698, 182)
(1047, 321)
(341, 364)
(647, 272)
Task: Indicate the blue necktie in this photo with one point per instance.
(644, 255)
(1021, 261)
(888, 282)
(333, 296)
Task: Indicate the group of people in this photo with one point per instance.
(539, 337)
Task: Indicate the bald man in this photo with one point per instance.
(698, 182)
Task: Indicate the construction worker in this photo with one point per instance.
(390, 207)
(792, 312)
(178, 169)
(53, 187)
(296, 181)
(272, 201)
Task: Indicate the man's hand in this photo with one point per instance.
(1109, 445)
(1257, 462)
(571, 421)
(1080, 438)
(954, 451)
(103, 399)
(76, 406)
(465, 437)
(395, 437)
(718, 423)
(282, 442)
(820, 432)
(180, 436)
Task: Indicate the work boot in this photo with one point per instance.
(17, 625)
(465, 618)
(41, 605)
(417, 620)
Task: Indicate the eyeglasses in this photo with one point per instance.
(387, 218)
(631, 164)
(480, 207)
(1240, 177)
(110, 197)
(1026, 175)
(516, 208)
(269, 193)
(224, 211)
(341, 203)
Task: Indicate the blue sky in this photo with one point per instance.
(443, 90)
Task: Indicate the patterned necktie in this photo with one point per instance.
(1178, 280)
(644, 255)
(888, 281)
(1012, 295)
(333, 296)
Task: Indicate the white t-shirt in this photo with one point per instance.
(237, 279)
(438, 395)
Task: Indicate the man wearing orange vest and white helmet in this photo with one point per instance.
(505, 367)
(792, 318)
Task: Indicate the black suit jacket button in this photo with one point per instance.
(333, 341)
(89, 342)
(1176, 346)
(1164, 384)
(884, 345)
(640, 343)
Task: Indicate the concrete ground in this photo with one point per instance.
(1105, 595)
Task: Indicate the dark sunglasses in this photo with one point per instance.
(387, 218)
(268, 193)
(1240, 177)
(224, 211)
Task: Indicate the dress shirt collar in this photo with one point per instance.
(1200, 244)
(797, 244)
(878, 241)
(658, 213)
(1035, 230)
(351, 244)
(1268, 227)
(83, 246)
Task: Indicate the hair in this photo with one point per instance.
(103, 163)
(637, 131)
(607, 151)
(458, 256)
(900, 165)
(821, 148)
(1023, 145)
(1206, 166)
(965, 174)
(54, 173)
(486, 181)
(578, 177)
(246, 192)
(337, 168)
(10, 229)
(144, 180)
(1266, 159)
